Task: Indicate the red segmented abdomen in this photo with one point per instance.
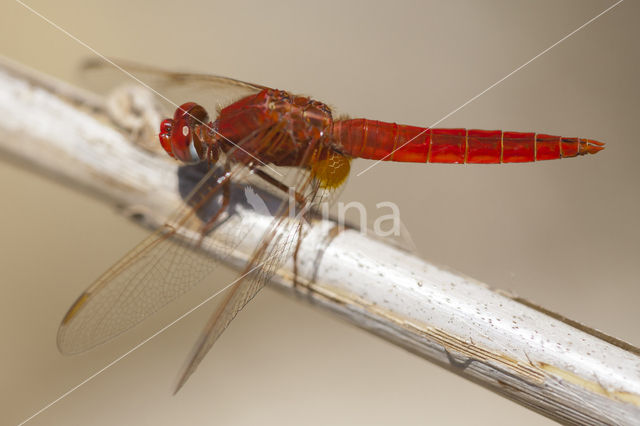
(376, 140)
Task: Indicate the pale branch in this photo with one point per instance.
(541, 360)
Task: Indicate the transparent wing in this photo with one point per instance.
(164, 266)
(278, 243)
(175, 76)
(269, 256)
(158, 270)
(211, 91)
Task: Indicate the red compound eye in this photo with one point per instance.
(186, 110)
(181, 140)
(177, 135)
(165, 135)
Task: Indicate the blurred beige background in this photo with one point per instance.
(564, 234)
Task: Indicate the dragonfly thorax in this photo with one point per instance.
(274, 126)
(304, 118)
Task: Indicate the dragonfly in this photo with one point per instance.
(294, 145)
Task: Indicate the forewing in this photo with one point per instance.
(174, 88)
(278, 243)
(276, 247)
(158, 270)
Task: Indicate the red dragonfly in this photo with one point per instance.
(263, 130)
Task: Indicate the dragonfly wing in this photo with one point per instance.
(158, 270)
(276, 247)
(177, 76)
(208, 90)
(277, 244)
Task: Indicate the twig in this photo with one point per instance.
(541, 360)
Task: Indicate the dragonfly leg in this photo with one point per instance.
(280, 185)
(295, 256)
(226, 198)
(300, 200)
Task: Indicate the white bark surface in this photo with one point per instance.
(543, 361)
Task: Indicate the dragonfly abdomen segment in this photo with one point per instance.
(378, 140)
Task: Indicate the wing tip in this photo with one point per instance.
(190, 366)
(75, 308)
(183, 379)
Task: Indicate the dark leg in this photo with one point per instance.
(226, 198)
(301, 202)
(295, 256)
(281, 186)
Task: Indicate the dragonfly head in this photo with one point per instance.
(185, 136)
